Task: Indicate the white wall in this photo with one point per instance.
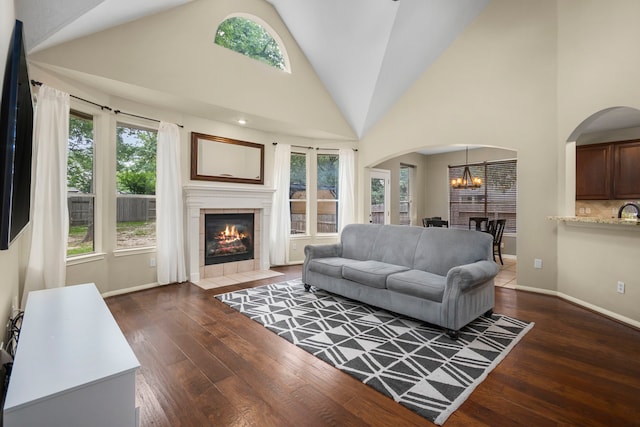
(597, 69)
(114, 271)
(495, 86)
(11, 259)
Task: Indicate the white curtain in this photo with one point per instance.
(346, 197)
(46, 267)
(280, 213)
(169, 207)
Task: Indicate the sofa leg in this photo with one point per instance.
(452, 334)
(307, 287)
(488, 313)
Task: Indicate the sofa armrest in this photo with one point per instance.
(322, 251)
(319, 251)
(469, 275)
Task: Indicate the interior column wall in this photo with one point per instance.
(597, 69)
(494, 86)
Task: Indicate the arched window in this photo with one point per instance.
(252, 37)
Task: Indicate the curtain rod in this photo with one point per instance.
(104, 107)
(140, 117)
(312, 148)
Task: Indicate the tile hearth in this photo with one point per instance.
(236, 279)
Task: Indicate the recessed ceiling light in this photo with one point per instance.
(242, 121)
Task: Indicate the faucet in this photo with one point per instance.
(636, 207)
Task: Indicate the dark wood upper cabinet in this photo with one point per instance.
(608, 171)
(626, 170)
(593, 172)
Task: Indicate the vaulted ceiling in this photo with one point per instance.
(367, 53)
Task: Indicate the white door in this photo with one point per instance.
(378, 196)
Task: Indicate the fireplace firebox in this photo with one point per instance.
(228, 237)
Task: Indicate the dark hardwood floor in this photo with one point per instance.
(204, 364)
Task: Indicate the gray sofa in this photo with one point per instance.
(438, 275)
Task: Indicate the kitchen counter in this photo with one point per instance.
(591, 221)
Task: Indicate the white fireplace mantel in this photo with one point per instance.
(202, 196)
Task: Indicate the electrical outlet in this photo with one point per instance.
(152, 262)
(620, 288)
(537, 263)
(581, 211)
(588, 210)
(294, 245)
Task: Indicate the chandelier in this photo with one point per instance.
(467, 180)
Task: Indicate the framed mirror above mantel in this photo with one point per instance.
(215, 158)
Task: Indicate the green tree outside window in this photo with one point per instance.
(249, 38)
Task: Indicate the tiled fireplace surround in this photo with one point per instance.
(206, 199)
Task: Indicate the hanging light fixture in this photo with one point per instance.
(466, 180)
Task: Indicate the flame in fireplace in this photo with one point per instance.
(230, 234)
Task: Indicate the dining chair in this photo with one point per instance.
(437, 223)
(480, 223)
(424, 220)
(496, 228)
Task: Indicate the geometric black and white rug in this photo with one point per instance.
(412, 362)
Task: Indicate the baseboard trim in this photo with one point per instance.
(129, 290)
(610, 314)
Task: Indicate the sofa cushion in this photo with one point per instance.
(370, 273)
(441, 249)
(417, 283)
(329, 266)
(396, 244)
(358, 240)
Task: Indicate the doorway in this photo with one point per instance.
(379, 196)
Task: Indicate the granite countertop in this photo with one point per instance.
(594, 220)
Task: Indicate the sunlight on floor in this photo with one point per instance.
(506, 278)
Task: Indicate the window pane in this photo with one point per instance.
(328, 176)
(405, 218)
(298, 193)
(80, 197)
(136, 184)
(81, 225)
(298, 217)
(502, 193)
(249, 38)
(495, 199)
(327, 214)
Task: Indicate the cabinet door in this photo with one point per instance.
(593, 172)
(626, 177)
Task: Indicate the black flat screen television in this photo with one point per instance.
(16, 142)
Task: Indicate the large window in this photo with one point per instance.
(298, 193)
(495, 199)
(251, 39)
(80, 185)
(327, 193)
(136, 186)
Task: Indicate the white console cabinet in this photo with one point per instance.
(73, 366)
